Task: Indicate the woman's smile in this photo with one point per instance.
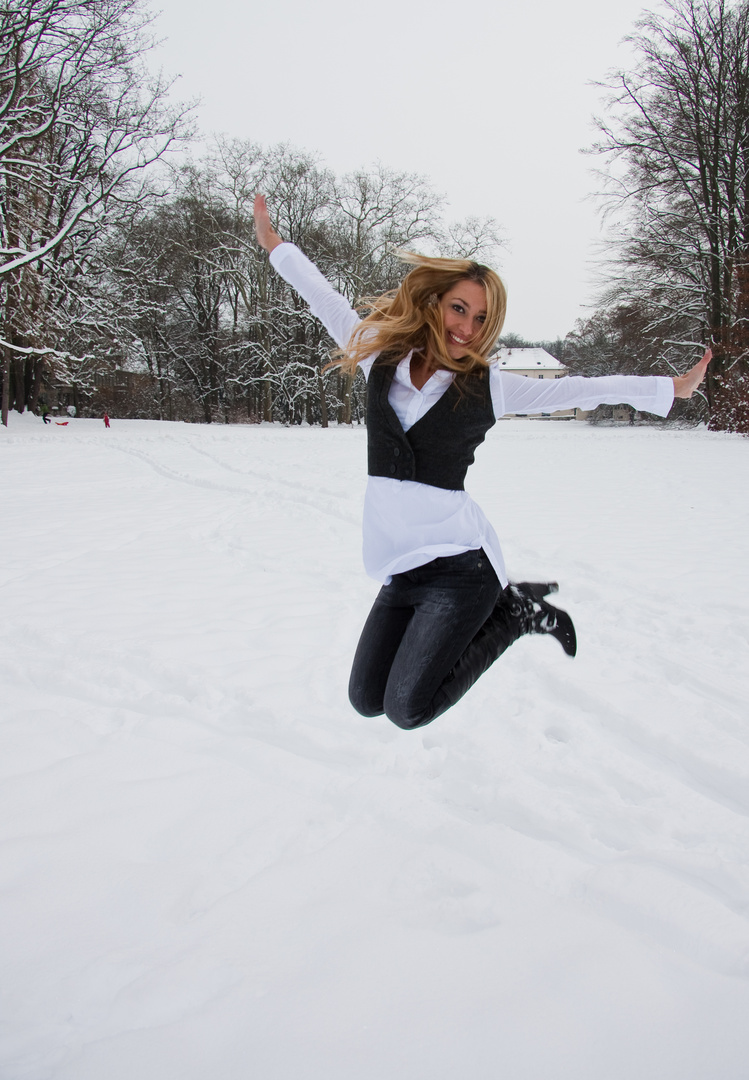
(455, 338)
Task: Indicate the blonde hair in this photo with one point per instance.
(410, 317)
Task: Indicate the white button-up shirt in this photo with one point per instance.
(408, 524)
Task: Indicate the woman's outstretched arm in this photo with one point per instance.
(650, 393)
(326, 304)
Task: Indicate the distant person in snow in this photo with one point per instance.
(446, 610)
(106, 421)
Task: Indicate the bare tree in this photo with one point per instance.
(677, 143)
(477, 238)
(377, 211)
(80, 122)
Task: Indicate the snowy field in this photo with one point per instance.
(212, 869)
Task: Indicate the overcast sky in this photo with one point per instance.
(489, 99)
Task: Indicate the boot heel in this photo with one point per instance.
(560, 626)
(537, 590)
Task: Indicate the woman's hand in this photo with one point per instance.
(267, 236)
(685, 385)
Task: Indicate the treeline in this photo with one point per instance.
(135, 287)
(130, 286)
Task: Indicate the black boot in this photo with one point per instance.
(525, 601)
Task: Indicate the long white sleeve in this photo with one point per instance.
(326, 304)
(518, 394)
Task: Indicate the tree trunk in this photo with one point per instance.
(36, 384)
(347, 382)
(6, 387)
(18, 400)
(323, 401)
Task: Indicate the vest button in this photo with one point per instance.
(392, 468)
(396, 452)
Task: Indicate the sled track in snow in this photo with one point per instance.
(274, 488)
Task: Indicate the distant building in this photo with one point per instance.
(536, 364)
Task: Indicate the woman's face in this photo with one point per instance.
(463, 313)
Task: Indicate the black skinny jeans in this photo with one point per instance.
(430, 634)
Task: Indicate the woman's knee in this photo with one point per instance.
(408, 723)
(406, 713)
(365, 703)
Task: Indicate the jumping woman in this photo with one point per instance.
(446, 610)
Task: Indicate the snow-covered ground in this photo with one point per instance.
(212, 869)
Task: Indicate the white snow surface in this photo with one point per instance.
(213, 868)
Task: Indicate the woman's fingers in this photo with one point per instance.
(700, 368)
(267, 236)
(262, 218)
(685, 385)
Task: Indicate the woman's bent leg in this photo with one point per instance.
(379, 642)
(452, 600)
(436, 629)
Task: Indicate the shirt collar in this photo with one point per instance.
(403, 375)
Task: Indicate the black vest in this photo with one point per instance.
(439, 447)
